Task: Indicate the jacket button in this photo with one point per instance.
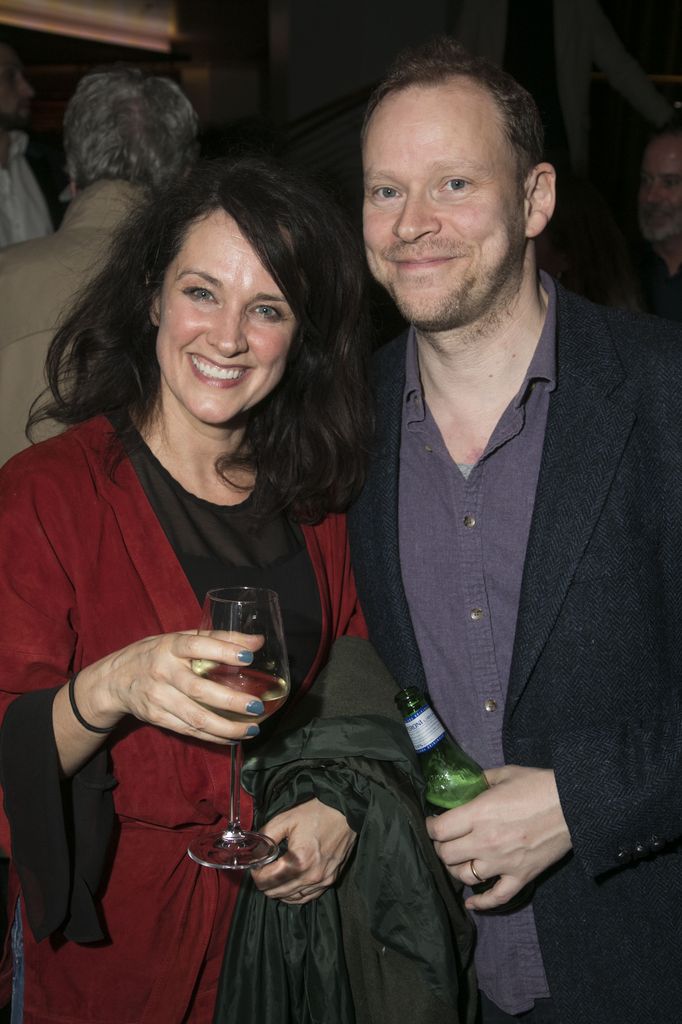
(640, 850)
(657, 843)
(624, 855)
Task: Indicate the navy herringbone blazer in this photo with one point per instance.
(595, 688)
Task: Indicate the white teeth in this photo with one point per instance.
(216, 372)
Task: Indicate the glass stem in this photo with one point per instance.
(234, 824)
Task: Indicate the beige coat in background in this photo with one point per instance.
(39, 280)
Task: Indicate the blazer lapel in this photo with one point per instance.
(373, 529)
(588, 426)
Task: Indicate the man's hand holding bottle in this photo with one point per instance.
(515, 830)
(495, 831)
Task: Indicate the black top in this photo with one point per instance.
(224, 546)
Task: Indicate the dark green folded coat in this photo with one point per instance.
(391, 940)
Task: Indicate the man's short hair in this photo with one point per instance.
(442, 59)
(123, 124)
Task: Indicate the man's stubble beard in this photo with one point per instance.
(471, 301)
(660, 232)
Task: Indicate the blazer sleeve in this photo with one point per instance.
(618, 773)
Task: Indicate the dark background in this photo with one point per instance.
(293, 75)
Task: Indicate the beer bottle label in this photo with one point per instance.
(424, 729)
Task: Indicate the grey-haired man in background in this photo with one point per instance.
(659, 209)
(124, 133)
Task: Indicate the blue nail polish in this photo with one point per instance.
(255, 707)
(246, 657)
(253, 730)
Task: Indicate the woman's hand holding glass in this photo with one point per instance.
(153, 680)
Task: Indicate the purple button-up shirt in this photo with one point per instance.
(463, 537)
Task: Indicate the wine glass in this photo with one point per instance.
(243, 610)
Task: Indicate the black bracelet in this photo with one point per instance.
(79, 717)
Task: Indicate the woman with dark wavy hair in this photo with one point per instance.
(213, 380)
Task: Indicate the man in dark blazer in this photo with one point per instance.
(518, 548)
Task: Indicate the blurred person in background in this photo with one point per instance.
(125, 135)
(583, 247)
(659, 210)
(566, 38)
(30, 176)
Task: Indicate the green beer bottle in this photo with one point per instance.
(452, 777)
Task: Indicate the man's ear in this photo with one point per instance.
(540, 197)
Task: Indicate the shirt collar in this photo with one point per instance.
(542, 366)
(413, 395)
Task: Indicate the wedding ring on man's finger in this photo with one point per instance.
(475, 873)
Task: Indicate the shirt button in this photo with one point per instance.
(428, 448)
(490, 705)
(469, 521)
(476, 613)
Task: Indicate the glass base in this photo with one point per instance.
(236, 851)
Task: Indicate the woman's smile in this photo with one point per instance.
(216, 374)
